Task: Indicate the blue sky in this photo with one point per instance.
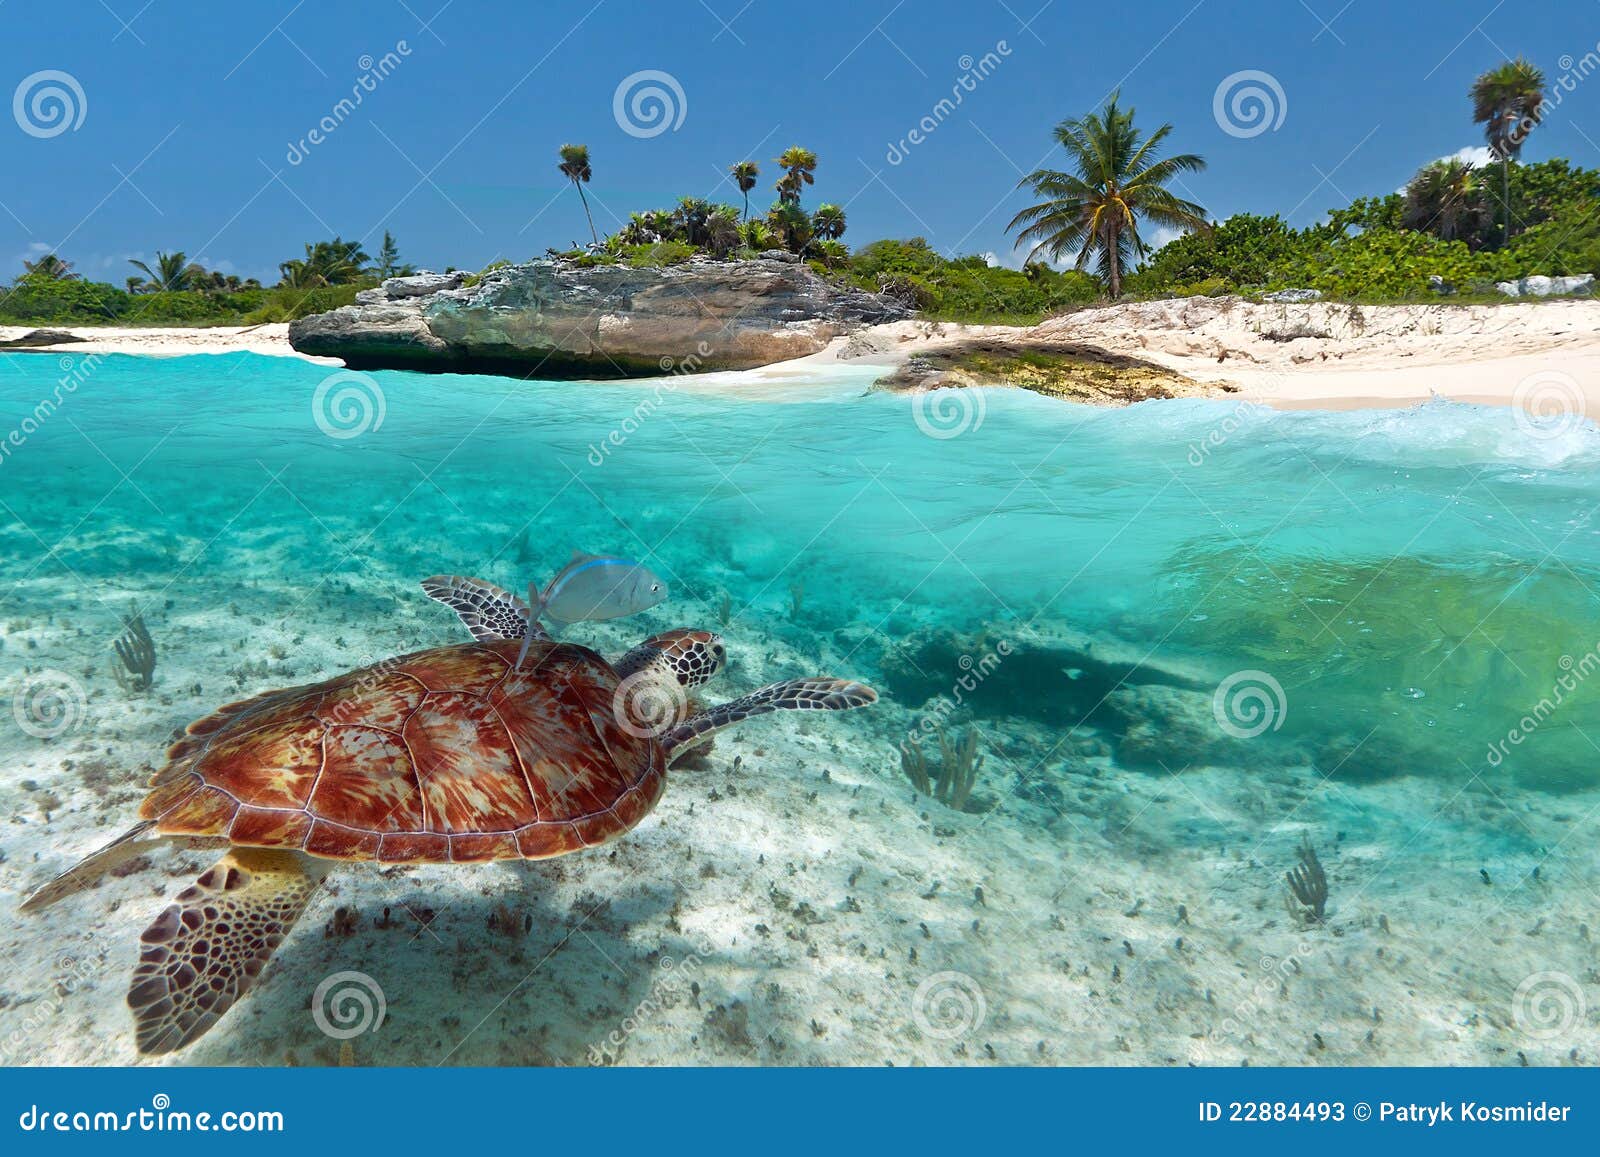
(189, 111)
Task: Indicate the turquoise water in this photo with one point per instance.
(1426, 573)
(1186, 635)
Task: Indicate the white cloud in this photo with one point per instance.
(1479, 155)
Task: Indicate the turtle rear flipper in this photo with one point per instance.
(794, 695)
(206, 949)
(96, 864)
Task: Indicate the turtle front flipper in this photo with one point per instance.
(206, 949)
(794, 695)
(491, 614)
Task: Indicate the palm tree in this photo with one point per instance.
(1507, 101)
(792, 224)
(1119, 177)
(174, 272)
(828, 221)
(798, 166)
(336, 262)
(50, 268)
(691, 218)
(744, 175)
(1444, 199)
(575, 167)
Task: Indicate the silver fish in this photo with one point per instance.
(590, 588)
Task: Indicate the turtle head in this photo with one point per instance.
(687, 658)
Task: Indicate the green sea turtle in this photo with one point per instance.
(450, 755)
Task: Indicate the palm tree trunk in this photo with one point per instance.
(1112, 262)
(1505, 197)
(746, 216)
(587, 214)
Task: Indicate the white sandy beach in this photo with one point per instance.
(1310, 356)
(271, 339)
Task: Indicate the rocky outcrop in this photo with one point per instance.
(1547, 286)
(556, 319)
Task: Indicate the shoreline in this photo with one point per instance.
(271, 340)
(1304, 356)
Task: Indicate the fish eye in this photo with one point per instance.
(655, 587)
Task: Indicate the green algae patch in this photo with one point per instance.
(1409, 666)
(1075, 373)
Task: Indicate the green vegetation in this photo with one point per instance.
(1118, 176)
(176, 291)
(1455, 229)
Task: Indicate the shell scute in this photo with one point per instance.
(369, 782)
(467, 766)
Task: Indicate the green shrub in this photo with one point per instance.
(659, 254)
(42, 299)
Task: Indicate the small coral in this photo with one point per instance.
(959, 764)
(1308, 887)
(136, 654)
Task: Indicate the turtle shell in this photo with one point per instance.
(443, 756)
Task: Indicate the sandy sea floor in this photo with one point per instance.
(792, 901)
